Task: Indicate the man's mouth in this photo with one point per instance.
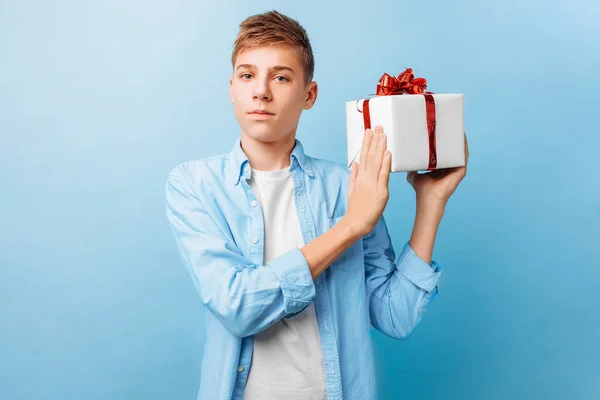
(264, 112)
(260, 115)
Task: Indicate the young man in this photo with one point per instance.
(290, 254)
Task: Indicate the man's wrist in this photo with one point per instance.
(351, 229)
(427, 220)
(431, 206)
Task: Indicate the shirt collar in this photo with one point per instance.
(238, 165)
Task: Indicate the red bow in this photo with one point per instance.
(405, 83)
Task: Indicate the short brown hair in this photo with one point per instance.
(272, 28)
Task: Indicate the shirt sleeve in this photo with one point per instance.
(400, 288)
(247, 298)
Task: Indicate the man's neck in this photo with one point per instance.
(272, 156)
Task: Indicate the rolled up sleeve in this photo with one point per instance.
(400, 288)
(245, 297)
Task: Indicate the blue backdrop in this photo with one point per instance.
(99, 100)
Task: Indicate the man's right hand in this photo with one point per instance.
(368, 191)
(367, 197)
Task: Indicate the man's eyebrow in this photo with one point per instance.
(275, 68)
(282, 68)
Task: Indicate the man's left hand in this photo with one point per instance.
(438, 185)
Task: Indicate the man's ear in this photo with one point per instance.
(231, 90)
(311, 95)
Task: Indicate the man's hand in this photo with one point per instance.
(438, 185)
(368, 191)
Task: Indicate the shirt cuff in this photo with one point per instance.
(295, 278)
(416, 270)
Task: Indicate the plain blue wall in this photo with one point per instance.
(99, 100)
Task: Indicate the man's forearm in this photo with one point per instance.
(427, 221)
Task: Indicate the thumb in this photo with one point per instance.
(353, 175)
(411, 177)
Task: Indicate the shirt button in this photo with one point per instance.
(240, 369)
(254, 240)
(254, 203)
(309, 172)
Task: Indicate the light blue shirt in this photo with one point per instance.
(219, 230)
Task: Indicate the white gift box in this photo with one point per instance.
(404, 121)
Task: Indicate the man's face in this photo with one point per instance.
(268, 92)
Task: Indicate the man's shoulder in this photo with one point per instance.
(200, 169)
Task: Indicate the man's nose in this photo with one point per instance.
(261, 90)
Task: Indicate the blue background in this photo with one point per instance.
(99, 100)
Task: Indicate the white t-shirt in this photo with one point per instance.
(287, 360)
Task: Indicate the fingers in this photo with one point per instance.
(384, 172)
(378, 147)
(353, 175)
(366, 146)
(466, 150)
(375, 165)
(375, 154)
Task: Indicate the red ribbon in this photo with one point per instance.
(406, 83)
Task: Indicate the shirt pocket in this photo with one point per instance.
(353, 257)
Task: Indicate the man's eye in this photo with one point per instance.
(246, 76)
(282, 78)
